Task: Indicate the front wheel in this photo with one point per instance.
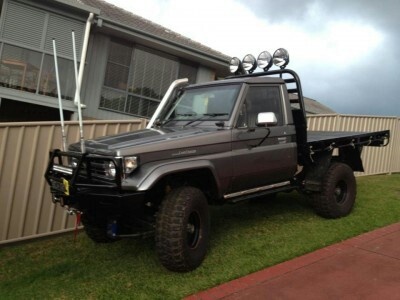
(338, 192)
(182, 229)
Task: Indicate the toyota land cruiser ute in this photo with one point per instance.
(207, 144)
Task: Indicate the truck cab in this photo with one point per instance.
(246, 119)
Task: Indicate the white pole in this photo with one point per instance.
(64, 138)
(84, 49)
(78, 94)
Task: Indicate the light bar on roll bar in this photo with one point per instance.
(264, 61)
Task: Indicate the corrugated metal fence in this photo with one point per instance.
(26, 210)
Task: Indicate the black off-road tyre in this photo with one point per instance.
(96, 230)
(182, 229)
(338, 192)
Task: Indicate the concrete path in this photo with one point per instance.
(363, 267)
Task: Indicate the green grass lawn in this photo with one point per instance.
(245, 238)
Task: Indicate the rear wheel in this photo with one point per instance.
(182, 229)
(338, 192)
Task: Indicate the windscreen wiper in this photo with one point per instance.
(204, 116)
(174, 119)
(216, 114)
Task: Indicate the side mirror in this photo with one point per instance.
(266, 119)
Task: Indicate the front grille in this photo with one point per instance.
(96, 169)
(84, 170)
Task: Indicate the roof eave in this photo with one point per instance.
(79, 6)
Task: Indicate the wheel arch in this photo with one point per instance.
(200, 174)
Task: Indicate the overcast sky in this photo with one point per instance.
(347, 52)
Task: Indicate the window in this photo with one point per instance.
(23, 24)
(205, 103)
(48, 83)
(118, 63)
(136, 79)
(260, 99)
(30, 68)
(114, 100)
(141, 106)
(152, 74)
(19, 68)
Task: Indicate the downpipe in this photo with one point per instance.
(84, 51)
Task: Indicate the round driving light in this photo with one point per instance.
(249, 63)
(281, 58)
(234, 65)
(264, 60)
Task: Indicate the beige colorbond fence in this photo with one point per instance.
(26, 210)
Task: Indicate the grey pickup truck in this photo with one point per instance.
(208, 144)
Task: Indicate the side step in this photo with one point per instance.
(259, 191)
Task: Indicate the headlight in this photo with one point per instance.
(249, 63)
(281, 58)
(130, 164)
(110, 169)
(74, 162)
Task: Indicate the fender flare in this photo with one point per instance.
(153, 175)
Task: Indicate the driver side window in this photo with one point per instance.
(260, 99)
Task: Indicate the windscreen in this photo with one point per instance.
(204, 103)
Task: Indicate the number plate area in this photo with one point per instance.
(60, 185)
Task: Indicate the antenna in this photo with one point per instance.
(77, 94)
(64, 138)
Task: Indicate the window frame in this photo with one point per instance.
(281, 103)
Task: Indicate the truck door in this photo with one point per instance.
(257, 162)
